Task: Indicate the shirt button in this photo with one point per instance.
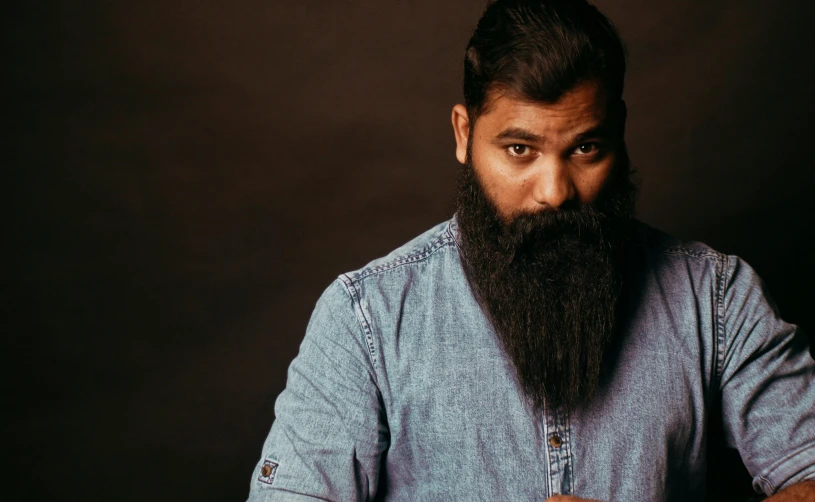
(555, 441)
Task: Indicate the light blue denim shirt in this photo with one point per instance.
(401, 390)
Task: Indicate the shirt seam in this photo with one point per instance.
(784, 466)
(276, 491)
(548, 477)
(570, 459)
(654, 240)
(766, 482)
(354, 294)
(678, 250)
(722, 278)
(441, 241)
(350, 283)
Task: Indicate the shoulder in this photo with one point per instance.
(680, 268)
(427, 247)
(689, 266)
(652, 241)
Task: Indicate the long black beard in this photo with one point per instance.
(551, 284)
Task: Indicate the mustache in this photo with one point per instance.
(560, 232)
(552, 225)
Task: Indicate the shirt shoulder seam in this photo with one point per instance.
(660, 242)
(351, 280)
(362, 319)
(681, 250)
(445, 239)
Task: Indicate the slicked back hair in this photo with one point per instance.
(538, 50)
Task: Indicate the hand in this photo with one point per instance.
(568, 498)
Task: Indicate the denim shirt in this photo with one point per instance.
(402, 392)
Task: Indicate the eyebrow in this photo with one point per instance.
(598, 131)
(521, 134)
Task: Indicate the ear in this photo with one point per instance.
(461, 129)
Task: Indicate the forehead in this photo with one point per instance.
(583, 107)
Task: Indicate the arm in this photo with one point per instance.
(329, 432)
(800, 492)
(767, 383)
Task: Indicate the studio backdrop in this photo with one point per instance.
(184, 178)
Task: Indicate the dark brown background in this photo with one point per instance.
(182, 179)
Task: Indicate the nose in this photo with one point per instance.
(553, 185)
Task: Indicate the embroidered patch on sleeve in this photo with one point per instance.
(268, 471)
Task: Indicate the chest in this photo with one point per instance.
(460, 424)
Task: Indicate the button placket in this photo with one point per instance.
(560, 468)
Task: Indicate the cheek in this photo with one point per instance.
(487, 169)
(591, 182)
(503, 188)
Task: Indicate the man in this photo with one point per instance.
(542, 344)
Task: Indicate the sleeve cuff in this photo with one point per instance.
(794, 468)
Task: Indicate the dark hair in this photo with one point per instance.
(539, 50)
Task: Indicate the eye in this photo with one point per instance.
(519, 150)
(586, 149)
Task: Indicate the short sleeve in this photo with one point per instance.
(329, 432)
(767, 384)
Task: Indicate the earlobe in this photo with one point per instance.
(461, 130)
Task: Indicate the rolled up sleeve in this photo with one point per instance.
(329, 432)
(767, 380)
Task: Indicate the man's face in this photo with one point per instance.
(544, 206)
(533, 156)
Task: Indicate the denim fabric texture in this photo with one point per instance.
(401, 390)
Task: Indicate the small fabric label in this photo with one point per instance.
(268, 471)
